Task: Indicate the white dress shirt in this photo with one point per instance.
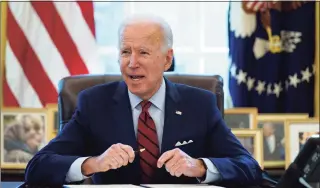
(156, 111)
(271, 140)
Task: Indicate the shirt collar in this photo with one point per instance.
(158, 99)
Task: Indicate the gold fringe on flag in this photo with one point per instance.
(317, 62)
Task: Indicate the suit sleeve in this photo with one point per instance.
(234, 163)
(51, 164)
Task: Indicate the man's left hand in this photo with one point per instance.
(179, 163)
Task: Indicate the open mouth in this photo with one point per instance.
(136, 78)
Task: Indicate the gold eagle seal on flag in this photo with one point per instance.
(262, 7)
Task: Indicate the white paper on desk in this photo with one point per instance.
(179, 185)
(102, 186)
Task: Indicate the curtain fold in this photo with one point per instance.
(272, 56)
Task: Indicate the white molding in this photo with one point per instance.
(215, 49)
(202, 64)
(202, 26)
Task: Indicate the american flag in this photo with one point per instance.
(46, 41)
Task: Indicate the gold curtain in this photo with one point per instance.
(3, 46)
(317, 62)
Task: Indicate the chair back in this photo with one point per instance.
(71, 86)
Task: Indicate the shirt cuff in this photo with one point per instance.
(74, 174)
(212, 173)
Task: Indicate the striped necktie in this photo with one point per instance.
(147, 138)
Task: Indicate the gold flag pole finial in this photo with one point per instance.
(275, 45)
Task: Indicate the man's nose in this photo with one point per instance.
(133, 61)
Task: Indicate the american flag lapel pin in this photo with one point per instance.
(178, 112)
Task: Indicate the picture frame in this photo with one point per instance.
(297, 132)
(243, 118)
(53, 119)
(273, 127)
(256, 144)
(24, 131)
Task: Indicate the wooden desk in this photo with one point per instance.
(145, 186)
(180, 186)
(12, 175)
(18, 175)
(16, 184)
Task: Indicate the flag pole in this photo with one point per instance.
(317, 62)
(3, 47)
(3, 14)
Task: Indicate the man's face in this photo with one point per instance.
(268, 129)
(142, 60)
(34, 131)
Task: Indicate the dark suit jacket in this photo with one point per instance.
(277, 155)
(103, 117)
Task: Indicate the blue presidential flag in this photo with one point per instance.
(272, 57)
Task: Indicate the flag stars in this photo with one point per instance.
(271, 88)
(241, 77)
(294, 80)
(277, 89)
(250, 83)
(306, 74)
(260, 87)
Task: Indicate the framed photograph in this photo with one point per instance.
(53, 119)
(241, 118)
(297, 133)
(251, 139)
(23, 133)
(272, 126)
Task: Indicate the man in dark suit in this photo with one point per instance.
(145, 129)
(273, 149)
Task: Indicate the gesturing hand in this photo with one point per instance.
(114, 157)
(177, 163)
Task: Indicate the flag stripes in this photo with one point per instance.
(46, 41)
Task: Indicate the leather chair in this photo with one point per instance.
(70, 87)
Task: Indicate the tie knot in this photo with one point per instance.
(145, 105)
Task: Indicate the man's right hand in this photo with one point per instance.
(116, 156)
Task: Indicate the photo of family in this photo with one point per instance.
(251, 140)
(273, 126)
(303, 137)
(273, 140)
(248, 143)
(240, 118)
(23, 134)
(297, 132)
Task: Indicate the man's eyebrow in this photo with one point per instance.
(142, 47)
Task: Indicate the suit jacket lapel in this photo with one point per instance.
(172, 122)
(122, 114)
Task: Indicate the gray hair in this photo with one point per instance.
(165, 27)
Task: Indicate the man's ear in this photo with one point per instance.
(169, 59)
